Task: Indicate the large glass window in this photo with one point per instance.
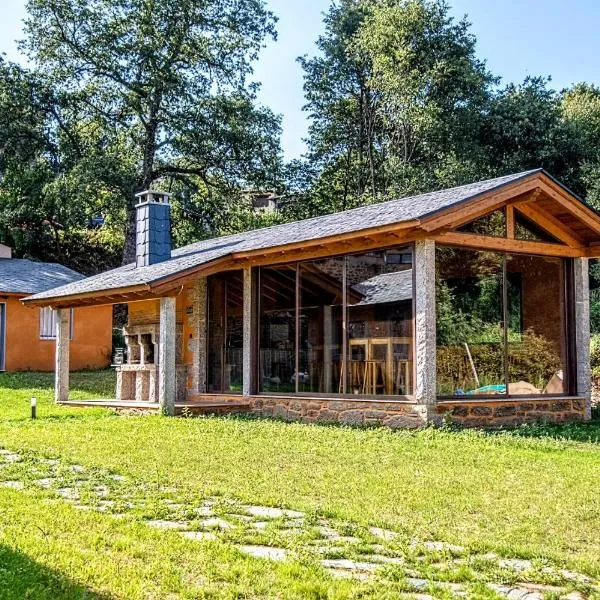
(501, 323)
(321, 326)
(380, 341)
(305, 309)
(277, 339)
(225, 333)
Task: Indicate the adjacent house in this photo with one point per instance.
(468, 304)
(27, 335)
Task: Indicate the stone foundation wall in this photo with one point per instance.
(347, 412)
(511, 412)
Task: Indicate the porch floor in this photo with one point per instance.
(190, 406)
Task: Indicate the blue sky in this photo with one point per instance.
(517, 38)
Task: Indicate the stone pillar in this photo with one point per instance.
(247, 334)
(425, 326)
(581, 284)
(166, 356)
(61, 370)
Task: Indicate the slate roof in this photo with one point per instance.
(22, 276)
(387, 287)
(354, 220)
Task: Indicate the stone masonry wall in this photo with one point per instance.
(511, 412)
(347, 412)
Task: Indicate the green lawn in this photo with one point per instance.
(531, 494)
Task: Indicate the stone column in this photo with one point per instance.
(247, 334)
(61, 370)
(198, 343)
(166, 356)
(581, 295)
(425, 326)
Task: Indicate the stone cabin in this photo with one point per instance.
(467, 304)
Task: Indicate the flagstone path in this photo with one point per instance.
(343, 549)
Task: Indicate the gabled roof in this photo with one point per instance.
(22, 276)
(404, 212)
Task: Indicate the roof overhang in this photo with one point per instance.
(536, 194)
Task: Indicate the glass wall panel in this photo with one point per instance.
(379, 323)
(537, 355)
(277, 337)
(225, 333)
(528, 230)
(321, 326)
(470, 330)
(492, 224)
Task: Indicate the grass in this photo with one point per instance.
(530, 493)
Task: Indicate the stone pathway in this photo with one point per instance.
(344, 549)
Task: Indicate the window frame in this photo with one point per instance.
(52, 337)
(569, 325)
(257, 318)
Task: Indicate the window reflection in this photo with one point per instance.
(225, 333)
(380, 343)
(476, 294)
(277, 340)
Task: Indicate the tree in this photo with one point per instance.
(394, 98)
(169, 80)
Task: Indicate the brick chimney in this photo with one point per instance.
(153, 228)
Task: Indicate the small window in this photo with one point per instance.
(48, 323)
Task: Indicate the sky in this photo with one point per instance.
(517, 38)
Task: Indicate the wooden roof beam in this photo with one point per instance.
(493, 244)
(551, 225)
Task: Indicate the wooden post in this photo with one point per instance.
(166, 356)
(61, 369)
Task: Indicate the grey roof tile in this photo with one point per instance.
(22, 276)
(357, 219)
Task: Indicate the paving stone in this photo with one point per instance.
(574, 596)
(261, 525)
(516, 593)
(348, 565)
(101, 490)
(442, 547)
(572, 576)
(199, 535)
(118, 477)
(15, 485)
(77, 469)
(68, 493)
(269, 512)
(10, 457)
(45, 482)
(381, 558)
(216, 523)
(516, 564)
(385, 534)
(204, 511)
(163, 524)
(268, 552)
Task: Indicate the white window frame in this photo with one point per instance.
(48, 323)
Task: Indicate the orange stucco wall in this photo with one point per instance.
(90, 347)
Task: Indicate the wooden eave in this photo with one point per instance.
(536, 195)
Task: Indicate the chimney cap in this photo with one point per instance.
(155, 196)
